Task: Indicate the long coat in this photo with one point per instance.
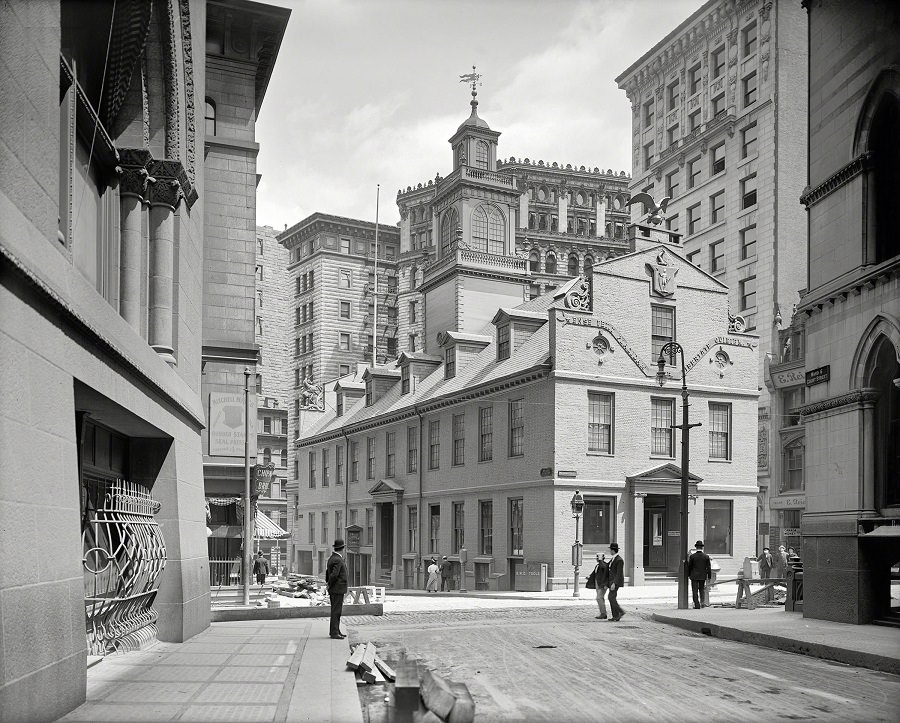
(336, 574)
(699, 566)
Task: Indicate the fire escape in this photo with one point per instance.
(386, 334)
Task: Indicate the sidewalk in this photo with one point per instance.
(277, 670)
(865, 646)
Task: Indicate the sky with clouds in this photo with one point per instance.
(367, 92)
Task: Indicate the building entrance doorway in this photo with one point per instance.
(655, 538)
(386, 534)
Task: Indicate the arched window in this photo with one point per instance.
(550, 263)
(488, 230)
(886, 165)
(267, 455)
(210, 117)
(588, 264)
(284, 458)
(412, 277)
(573, 265)
(448, 231)
(481, 155)
(534, 261)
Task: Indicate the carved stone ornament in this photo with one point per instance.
(662, 275)
(721, 361)
(312, 396)
(762, 453)
(736, 323)
(165, 192)
(681, 159)
(580, 296)
(601, 346)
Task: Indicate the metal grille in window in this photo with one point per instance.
(123, 557)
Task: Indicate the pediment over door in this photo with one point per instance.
(386, 490)
(664, 479)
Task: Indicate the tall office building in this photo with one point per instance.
(718, 119)
(851, 545)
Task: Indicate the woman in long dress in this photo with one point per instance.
(432, 585)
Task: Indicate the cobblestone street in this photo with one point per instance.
(561, 664)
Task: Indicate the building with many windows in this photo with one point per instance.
(718, 116)
(851, 314)
(474, 449)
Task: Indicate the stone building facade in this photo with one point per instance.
(851, 546)
(242, 44)
(476, 450)
(718, 114)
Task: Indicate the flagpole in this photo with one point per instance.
(375, 315)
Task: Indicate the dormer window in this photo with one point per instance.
(450, 362)
(503, 342)
(340, 404)
(404, 379)
(370, 390)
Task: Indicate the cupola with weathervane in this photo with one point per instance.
(474, 217)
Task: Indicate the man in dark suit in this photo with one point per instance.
(616, 580)
(336, 577)
(699, 571)
(765, 563)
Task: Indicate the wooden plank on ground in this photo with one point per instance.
(406, 686)
(436, 694)
(367, 675)
(356, 658)
(368, 658)
(386, 669)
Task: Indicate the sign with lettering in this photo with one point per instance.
(818, 376)
(788, 378)
(263, 474)
(788, 503)
(226, 424)
(791, 532)
(531, 576)
(354, 535)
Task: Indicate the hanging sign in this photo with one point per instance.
(263, 474)
(819, 375)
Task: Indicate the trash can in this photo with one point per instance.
(751, 568)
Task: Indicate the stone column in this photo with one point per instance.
(867, 430)
(523, 209)
(600, 228)
(563, 210)
(165, 194)
(636, 543)
(132, 190)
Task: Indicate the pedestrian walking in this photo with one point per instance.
(433, 569)
(336, 578)
(765, 564)
(446, 572)
(616, 580)
(260, 568)
(601, 584)
(699, 571)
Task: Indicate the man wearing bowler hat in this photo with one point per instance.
(616, 580)
(336, 577)
(699, 571)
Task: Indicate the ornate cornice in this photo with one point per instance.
(857, 396)
(843, 176)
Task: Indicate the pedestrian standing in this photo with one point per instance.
(446, 571)
(699, 571)
(433, 569)
(601, 583)
(336, 578)
(765, 564)
(781, 562)
(260, 568)
(616, 580)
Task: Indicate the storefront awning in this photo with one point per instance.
(266, 529)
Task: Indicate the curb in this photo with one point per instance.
(234, 614)
(856, 658)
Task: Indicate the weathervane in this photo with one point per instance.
(474, 78)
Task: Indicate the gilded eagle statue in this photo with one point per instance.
(657, 212)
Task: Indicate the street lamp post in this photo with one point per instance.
(247, 552)
(577, 508)
(671, 349)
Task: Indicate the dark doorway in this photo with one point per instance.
(655, 537)
(387, 536)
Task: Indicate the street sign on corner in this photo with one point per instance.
(263, 474)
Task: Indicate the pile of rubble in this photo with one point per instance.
(414, 696)
(302, 587)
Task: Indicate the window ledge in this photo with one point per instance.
(713, 460)
(594, 453)
(662, 456)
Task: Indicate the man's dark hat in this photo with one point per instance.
(614, 546)
(699, 544)
(339, 544)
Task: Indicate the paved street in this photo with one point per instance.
(560, 664)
